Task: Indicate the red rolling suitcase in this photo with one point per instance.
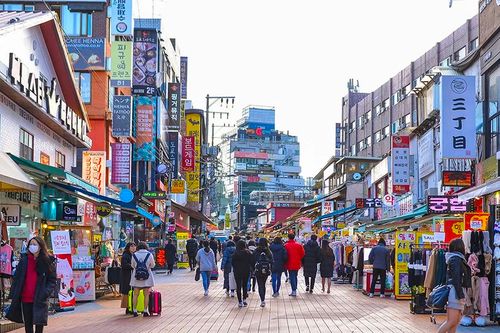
(154, 303)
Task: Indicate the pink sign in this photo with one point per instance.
(188, 153)
(120, 159)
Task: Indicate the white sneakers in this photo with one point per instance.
(371, 295)
(262, 304)
(232, 293)
(206, 292)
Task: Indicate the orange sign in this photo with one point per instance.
(453, 229)
(44, 158)
(457, 178)
(476, 221)
(94, 169)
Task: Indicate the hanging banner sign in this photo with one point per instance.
(403, 242)
(120, 14)
(121, 126)
(400, 157)
(173, 151)
(121, 64)
(183, 76)
(193, 128)
(145, 65)
(327, 207)
(441, 204)
(87, 53)
(61, 242)
(476, 221)
(145, 129)
(121, 158)
(94, 169)
(188, 161)
(457, 178)
(173, 107)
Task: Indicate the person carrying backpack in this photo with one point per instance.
(142, 276)
(263, 268)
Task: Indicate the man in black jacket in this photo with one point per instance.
(192, 249)
(312, 258)
(214, 246)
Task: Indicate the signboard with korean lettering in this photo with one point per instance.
(177, 186)
(476, 221)
(457, 178)
(338, 135)
(61, 243)
(121, 63)
(327, 207)
(400, 157)
(173, 151)
(458, 111)
(94, 169)
(121, 157)
(442, 204)
(69, 212)
(120, 13)
(86, 54)
(145, 128)
(403, 251)
(426, 154)
(368, 203)
(453, 228)
(188, 159)
(122, 116)
(173, 107)
(193, 128)
(145, 65)
(184, 75)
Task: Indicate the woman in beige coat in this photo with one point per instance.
(142, 256)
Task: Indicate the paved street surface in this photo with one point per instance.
(185, 309)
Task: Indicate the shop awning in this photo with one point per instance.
(192, 213)
(382, 224)
(12, 177)
(335, 213)
(480, 190)
(53, 172)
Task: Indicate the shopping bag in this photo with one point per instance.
(140, 301)
(197, 274)
(232, 281)
(112, 274)
(214, 275)
(389, 281)
(438, 297)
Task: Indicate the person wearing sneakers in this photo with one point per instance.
(312, 258)
(326, 265)
(295, 253)
(279, 260)
(243, 262)
(206, 260)
(263, 262)
(142, 276)
(380, 259)
(226, 266)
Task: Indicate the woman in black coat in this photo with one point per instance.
(125, 274)
(170, 252)
(34, 281)
(243, 263)
(280, 257)
(326, 265)
(311, 259)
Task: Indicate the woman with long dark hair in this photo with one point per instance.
(458, 275)
(34, 280)
(326, 265)
(243, 262)
(264, 259)
(126, 273)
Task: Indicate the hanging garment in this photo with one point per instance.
(474, 242)
(484, 304)
(475, 292)
(6, 260)
(486, 242)
(488, 258)
(466, 236)
(431, 272)
(473, 262)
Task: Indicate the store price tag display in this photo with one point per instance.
(61, 243)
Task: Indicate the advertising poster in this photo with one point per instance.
(458, 112)
(145, 129)
(64, 272)
(327, 207)
(453, 229)
(120, 163)
(120, 14)
(86, 54)
(121, 125)
(121, 64)
(184, 74)
(84, 285)
(400, 171)
(61, 242)
(145, 62)
(173, 107)
(160, 258)
(403, 242)
(94, 169)
(193, 128)
(182, 238)
(476, 221)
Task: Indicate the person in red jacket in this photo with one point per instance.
(295, 252)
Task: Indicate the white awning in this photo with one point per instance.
(12, 178)
(480, 190)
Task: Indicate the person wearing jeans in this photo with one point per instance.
(280, 258)
(295, 253)
(206, 259)
(380, 259)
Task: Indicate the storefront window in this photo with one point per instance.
(60, 160)
(493, 112)
(84, 83)
(76, 23)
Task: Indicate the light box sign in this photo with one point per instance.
(457, 178)
(121, 17)
(193, 128)
(145, 129)
(458, 112)
(145, 66)
(188, 158)
(441, 204)
(87, 53)
(94, 169)
(173, 107)
(122, 116)
(177, 186)
(400, 157)
(121, 64)
(11, 214)
(326, 207)
(121, 157)
(184, 74)
(173, 151)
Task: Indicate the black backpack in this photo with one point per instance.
(263, 266)
(141, 270)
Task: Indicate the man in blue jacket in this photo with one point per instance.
(379, 258)
(226, 264)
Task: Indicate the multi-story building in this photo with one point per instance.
(259, 158)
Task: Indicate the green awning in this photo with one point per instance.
(420, 211)
(53, 172)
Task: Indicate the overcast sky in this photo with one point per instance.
(298, 55)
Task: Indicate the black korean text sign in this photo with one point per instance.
(442, 204)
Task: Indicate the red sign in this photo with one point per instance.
(64, 272)
(160, 258)
(400, 152)
(120, 163)
(144, 129)
(245, 154)
(476, 221)
(188, 153)
(453, 229)
(457, 178)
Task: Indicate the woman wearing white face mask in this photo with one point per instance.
(34, 281)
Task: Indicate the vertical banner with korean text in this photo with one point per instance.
(188, 153)
(121, 64)
(121, 157)
(400, 151)
(184, 74)
(120, 14)
(173, 152)
(94, 169)
(193, 128)
(402, 288)
(121, 126)
(145, 129)
(173, 107)
(458, 110)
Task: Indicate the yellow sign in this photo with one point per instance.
(401, 286)
(490, 168)
(177, 186)
(193, 128)
(97, 238)
(182, 238)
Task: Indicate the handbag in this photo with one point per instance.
(438, 297)
(197, 274)
(112, 274)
